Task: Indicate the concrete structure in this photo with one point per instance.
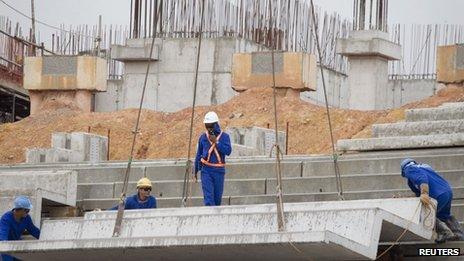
(76, 77)
(323, 230)
(368, 53)
(450, 64)
(43, 187)
(430, 127)
(398, 92)
(251, 180)
(295, 72)
(255, 141)
(170, 83)
(71, 147)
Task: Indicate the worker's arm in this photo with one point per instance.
(198, 156)
(223, 145)
(31, 228)
(153, 203)
(4, 229)
(416, 175)
(413, 188)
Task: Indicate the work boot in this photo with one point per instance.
(443, 232)
(454, 225)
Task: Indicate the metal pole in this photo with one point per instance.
(286, 140)
(33, 24)
(13, 112)
(98, 39)
(108, 148)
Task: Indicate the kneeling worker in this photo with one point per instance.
(142, 199)
(14, 222)
(426, 184)
(213, 147)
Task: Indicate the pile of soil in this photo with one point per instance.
(166, 135)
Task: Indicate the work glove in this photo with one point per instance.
(424, 197)
(195, 177)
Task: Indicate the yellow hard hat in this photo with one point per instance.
(144, 183)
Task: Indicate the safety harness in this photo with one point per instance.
(210, 151)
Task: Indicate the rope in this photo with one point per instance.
(279, 197)
(119, 216)
(187, 186)
(334, 155)
(407, 229)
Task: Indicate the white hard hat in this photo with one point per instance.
(211, 117)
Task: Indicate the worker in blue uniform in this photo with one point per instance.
(14, 222)
(213, 147)
(426, 183)
(142, 199)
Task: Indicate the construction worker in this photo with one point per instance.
(14, 222)
(142, 199)
(213, 146)
(426, 183)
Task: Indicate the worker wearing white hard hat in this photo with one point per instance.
(213, 147)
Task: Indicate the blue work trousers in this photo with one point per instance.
(212, 184)
(444, 206)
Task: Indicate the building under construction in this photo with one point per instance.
(101, 109)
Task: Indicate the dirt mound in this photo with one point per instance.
(165, 135)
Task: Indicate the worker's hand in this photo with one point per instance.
(425, 199)
(195, 178)
(213, 138)
(97, 209)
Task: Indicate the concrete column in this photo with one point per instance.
(368, 53)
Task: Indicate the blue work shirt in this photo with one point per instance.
(418, 174)
(10, 229)
(223, 146)
(133, 202)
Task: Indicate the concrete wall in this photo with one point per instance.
(110, 100)
(398, 92)
(170, 83)
(255, 141)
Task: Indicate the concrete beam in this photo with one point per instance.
(417, 128)
(435, 114)
(134, 53)
(382, 164)
(368, 45)
(394, 143)
(355, 228)
(57, 186)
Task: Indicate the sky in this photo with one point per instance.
(74, 12)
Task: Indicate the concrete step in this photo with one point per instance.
(377, 165)
(267, 169)
(238, 187)
(435, 114)
(452, 105)
(396, 143)
(417, 128)
(237, 170)
(106, 203)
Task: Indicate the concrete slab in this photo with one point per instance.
(384, 164)
(355, 226)
(417, 128)
(452, 105)
(57, 186)
(435, 114)
(394, 143)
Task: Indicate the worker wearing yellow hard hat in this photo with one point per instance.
(142, 199)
